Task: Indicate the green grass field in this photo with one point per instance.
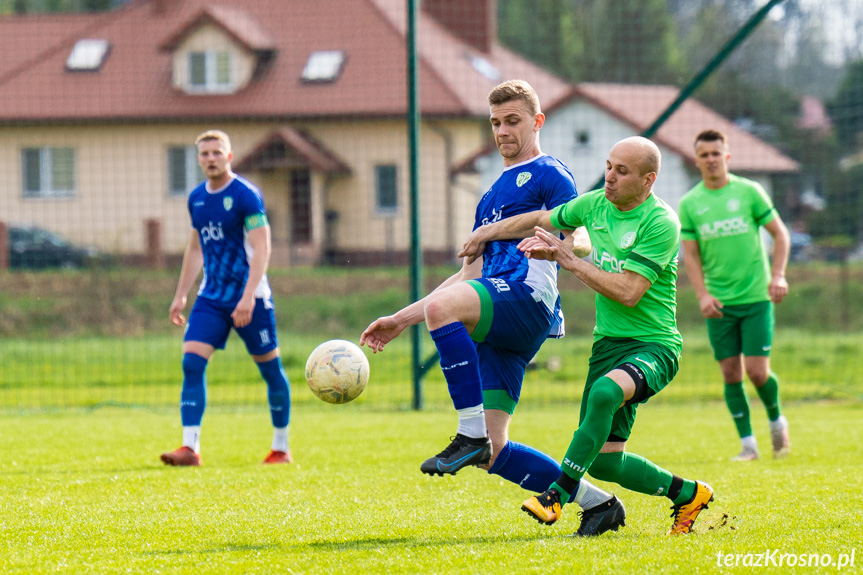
(88, 399)
(84, 492)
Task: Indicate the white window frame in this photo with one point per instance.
(47, 187)
(211, 71)
(193, 173)
(323, 66)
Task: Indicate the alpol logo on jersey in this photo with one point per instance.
(212, 233)
(723, 228)
(606, 261)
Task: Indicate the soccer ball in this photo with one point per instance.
(337, 371)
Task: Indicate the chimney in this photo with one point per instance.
(472, 21)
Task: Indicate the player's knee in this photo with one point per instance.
(437, 311)
(605, 395)
(758, 378)
(193, 366)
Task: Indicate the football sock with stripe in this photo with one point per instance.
(639, 474)
(525, 466)
(769, 394)
(460, 364)
(738, 405)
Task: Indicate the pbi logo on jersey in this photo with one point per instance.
(733, 205)
(522, 179)
(212, 232)
(495, 216)
(228, 202)
(627, 240)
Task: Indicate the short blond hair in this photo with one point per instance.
(515, 90)
(215, 135)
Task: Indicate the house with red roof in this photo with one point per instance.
(98, 115)
(582, 127)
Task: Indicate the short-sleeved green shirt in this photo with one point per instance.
(644, 240)
(726, 223)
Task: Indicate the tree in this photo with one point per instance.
(846, 110)
(595, 40)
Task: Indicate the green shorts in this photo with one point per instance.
(658, 363)
(498, 399)
(746, 329)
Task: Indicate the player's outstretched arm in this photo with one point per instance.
(514, 228)
(778, 288)
(710, 306)
(385, 329)
(193, 262)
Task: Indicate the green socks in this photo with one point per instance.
(603, 401)
(769, 394)
(636, 473)
(738, 405)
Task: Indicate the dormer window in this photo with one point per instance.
(87, 55)
(324, 66)
(210, 71)
(484, 67)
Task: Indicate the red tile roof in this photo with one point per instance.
(288, 148)
(640, 105)
(241, 25)
(135, 81)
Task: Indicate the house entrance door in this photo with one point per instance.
(301, 206)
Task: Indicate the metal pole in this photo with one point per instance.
(416, 247)
(705, 72)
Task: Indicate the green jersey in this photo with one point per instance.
(725, 223)
(644, 240)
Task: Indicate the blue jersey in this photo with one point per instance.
(541, 183)
(220, 218)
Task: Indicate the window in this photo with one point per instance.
(484, 67)
(386, 197)
(48, 172)
(87, 55)
(323, 66)
(210, 71)
(582, 139)
(184, 173)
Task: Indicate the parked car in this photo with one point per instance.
(31, 247)
(801, 249)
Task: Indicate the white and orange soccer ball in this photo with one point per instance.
(337, 371)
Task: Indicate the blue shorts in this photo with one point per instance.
(210, 322)
(511, 329)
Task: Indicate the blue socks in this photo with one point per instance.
(193, 398)
(278, 392)
(460, 364)
(526, 467)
